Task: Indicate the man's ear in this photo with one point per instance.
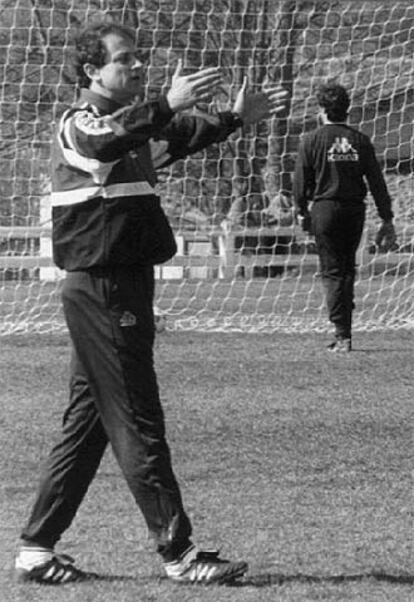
(92, 71)
(321, 115)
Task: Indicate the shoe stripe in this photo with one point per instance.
(67, 576)
(205, 573)
(210, 573)
(60, 574)
(50, 573)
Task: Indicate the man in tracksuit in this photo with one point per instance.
(332, 164)
(108, 232)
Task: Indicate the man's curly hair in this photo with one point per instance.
(90, 48)
(335, 100)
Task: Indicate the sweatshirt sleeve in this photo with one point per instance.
(377, 184)
(303, 180)
(106, 138)
(188, 134)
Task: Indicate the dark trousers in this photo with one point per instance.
(338, 228)
(113, 397)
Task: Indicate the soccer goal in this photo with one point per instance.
(242, 263)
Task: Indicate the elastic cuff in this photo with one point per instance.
(230, 121)
(165, 108)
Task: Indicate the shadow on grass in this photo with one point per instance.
(274, 579)
(378, 350)
(109, 578)
(269, 579)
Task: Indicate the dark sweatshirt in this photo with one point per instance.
(332, 165)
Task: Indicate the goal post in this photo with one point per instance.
(243, 263)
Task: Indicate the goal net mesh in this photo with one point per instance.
(243, 263)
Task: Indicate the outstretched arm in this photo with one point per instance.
(187, 134)
(108, 137)
(255, 106)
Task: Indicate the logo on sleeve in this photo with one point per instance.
(342, 150)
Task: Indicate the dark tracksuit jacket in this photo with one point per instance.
(334, 163)
(109, 230)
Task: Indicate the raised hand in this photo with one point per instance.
(255, 106)
(188, 90)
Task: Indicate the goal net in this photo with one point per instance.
(243, 263)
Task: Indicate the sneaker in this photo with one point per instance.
(60, 569)
(341, 346)
(204, 567)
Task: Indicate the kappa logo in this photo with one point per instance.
(127, 319)
(342, 150)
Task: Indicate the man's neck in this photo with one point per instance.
(329, 122)
(326, 121)
(101, 91)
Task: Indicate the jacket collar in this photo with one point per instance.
(106, 105)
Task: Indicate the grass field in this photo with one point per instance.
(297, 460)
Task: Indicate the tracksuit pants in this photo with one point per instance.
(113, 398)
(338, 227)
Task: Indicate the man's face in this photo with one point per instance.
(121, 78)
